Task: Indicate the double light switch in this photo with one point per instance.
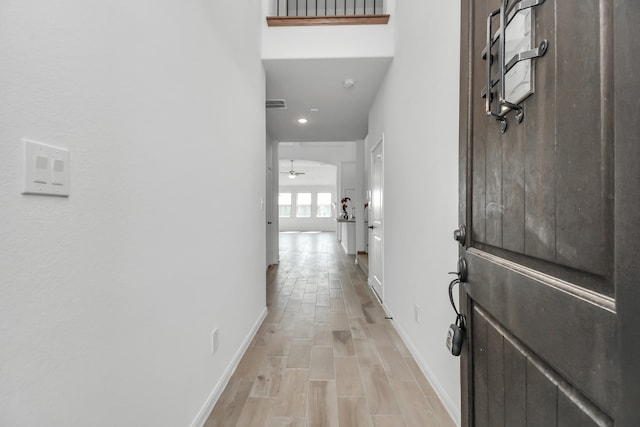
(46, 169)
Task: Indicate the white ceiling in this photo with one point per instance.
(316, 173)
(319, 83)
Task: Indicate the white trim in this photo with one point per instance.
(211, 401)
(452, 408)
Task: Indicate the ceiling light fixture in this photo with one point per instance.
(349, 83)
(292, 174)
(315, 110)
(302, 120)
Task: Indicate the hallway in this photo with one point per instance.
(325, 354)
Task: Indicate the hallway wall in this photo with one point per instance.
(417, 110)
(108, 298)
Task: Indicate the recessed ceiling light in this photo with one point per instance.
(302, 120)
(349, 83)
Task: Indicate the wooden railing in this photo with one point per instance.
(327, 12)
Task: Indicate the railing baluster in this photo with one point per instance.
(378, 7)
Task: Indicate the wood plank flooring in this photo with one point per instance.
(325, 355)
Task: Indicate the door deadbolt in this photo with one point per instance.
(460, 235)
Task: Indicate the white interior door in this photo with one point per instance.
(376, 229)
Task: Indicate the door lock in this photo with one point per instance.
(456, 332)
(460, 235)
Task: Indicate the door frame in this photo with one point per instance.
(380, 144)
(267, 204)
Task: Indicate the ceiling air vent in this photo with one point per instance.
(277, 104)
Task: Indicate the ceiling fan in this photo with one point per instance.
(292, 173)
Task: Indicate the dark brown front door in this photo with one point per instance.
(551, 210)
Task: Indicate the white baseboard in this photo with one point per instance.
(211, 401)
(449, 404)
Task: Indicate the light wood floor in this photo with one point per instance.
(325, 355)
(363, 262)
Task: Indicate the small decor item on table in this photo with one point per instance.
(345, 204)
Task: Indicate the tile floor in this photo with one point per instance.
(325, 355)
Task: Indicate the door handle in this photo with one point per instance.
(462, 270)
(269, 222)
(371, 227)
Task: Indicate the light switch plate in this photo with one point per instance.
(46, 169)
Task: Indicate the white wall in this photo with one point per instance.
(421, 188)
(361, 199)
(347, 172)
(108, 298)
(312, 223)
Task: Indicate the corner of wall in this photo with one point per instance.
(452, 406)
(213, 398)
